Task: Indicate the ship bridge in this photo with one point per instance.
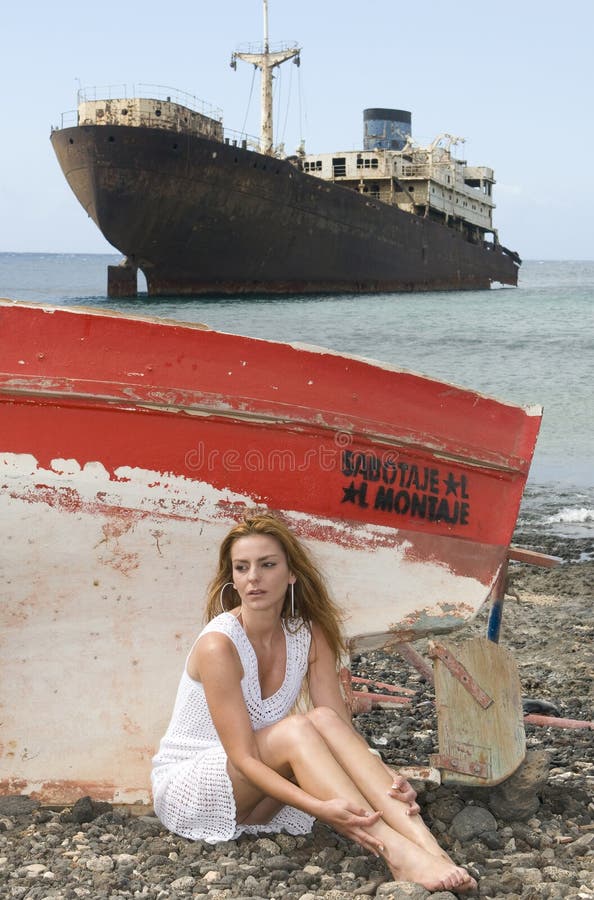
(426, 181)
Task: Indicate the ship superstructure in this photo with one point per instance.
(424, 181)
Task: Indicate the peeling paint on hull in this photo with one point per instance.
(130, 446)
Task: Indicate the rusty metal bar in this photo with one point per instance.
(365, 702)
(461, 766)
(555, 722)
(392, 688)
(362, 701)
(358, 702)
(460, 673)
(416, 660)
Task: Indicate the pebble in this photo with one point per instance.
(185, 883)
(33, 870)
(401, 890)
(100, 864)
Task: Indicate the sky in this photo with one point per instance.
(515, 79)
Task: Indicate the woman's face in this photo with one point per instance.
(260, 571)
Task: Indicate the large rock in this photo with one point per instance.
(445, 808)
(17, 805)
(472, 822)
(518, 797)
(86, 810)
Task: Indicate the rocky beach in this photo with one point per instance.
(531, 838)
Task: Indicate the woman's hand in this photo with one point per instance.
(353, 822)
(402, 790)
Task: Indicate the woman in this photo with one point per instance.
(236, 757)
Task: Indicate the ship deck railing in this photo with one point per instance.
(421, 171)
(259, 49)
(68, 119)
(143, 91)
(242, 139)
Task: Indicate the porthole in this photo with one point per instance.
(124, 112)
(157, 112)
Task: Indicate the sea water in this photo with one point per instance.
(525, 345)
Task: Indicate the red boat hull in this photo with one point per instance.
(129, 447)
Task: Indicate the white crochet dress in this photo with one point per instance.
(192, 791)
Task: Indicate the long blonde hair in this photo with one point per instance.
(312, 600)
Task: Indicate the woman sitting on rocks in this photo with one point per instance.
(236, 756)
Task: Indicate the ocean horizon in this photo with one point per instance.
(533, 344)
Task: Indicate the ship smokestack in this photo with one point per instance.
(385, 129)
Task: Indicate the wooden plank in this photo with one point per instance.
(521, 554)
(491, 741)
(460, 673)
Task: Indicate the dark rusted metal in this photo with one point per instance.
(202, 217)
(122, 281)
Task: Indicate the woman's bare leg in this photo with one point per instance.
(295, 745)
(371, 777)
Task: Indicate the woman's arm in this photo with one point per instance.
(215, 662)
(324, 685)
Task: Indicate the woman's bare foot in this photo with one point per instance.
(435, 872)
(426, 841)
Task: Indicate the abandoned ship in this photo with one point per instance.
(200, 211)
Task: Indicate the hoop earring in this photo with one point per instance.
(221, 594)
(292, 599)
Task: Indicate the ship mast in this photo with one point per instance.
(266, 61)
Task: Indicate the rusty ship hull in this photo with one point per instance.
(200, 216)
